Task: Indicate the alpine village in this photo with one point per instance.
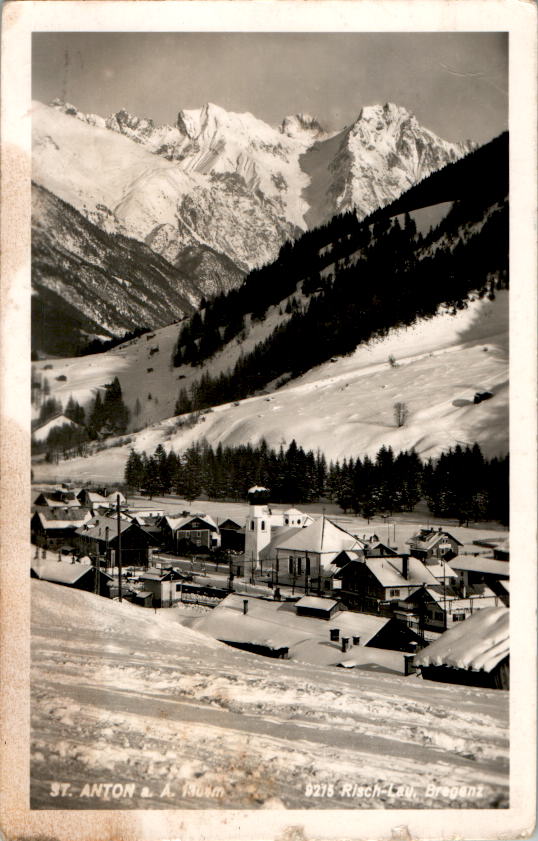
(270, 460)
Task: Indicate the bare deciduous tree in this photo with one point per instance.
(401, 413)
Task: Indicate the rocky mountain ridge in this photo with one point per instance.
(229, 181)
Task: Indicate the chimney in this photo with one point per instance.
(345, 644)
(245, 606)
(405, 566)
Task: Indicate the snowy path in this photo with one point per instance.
(121, 695)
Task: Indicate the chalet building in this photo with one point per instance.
(372, 583)
(475, 653)
(195, 529)
(431, 545)
(100, 539)
(54, 527)
(163, 585)
(303, 555)
(76, 576)
(232, 536)
(438, 608)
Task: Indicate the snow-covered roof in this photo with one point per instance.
(478, 644)
(277, 624)
(175, 523)
(98, 527)
(65, 518)
(62, 573)
(256, 489)
(388, 572)
(320, 536)
(481, 564)
(316, 603)
(427, 538)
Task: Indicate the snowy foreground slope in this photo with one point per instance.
(122, 696)
(344, 407)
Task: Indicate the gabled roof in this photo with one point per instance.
(478, 644)
(92, 496)
(230, 524)
(320, 536)
(62, 573)
(388, 572)
(176, 523)
(97, 528)
(426, 539)
(63, 518)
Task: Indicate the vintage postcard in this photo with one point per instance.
(268, 420)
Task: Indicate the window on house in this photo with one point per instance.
(290, 564)
(458, 617)
(299, 565)
(287, 521)
(252, 525)
(438, 615)
(263, 525)
(394, 592)
(307, 566)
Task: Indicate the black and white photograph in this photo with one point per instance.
(271, 425)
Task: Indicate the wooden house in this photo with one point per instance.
(76, 576)
(53, 527)
(191, 531)
(372, 583)
(431, 544)
(163, 584)
(475, 653)
(100, 539)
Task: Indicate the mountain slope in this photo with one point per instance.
(344, 408)
(227, 180)
(86, 281)
(90, 282)
(122, 694)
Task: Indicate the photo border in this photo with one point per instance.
(20, 19)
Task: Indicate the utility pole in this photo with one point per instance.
(119, 545)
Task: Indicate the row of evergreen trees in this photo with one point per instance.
(459, 484)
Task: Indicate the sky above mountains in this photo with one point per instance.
(455, 83)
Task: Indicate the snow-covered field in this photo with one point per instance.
(131, 710)
(343, 407)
